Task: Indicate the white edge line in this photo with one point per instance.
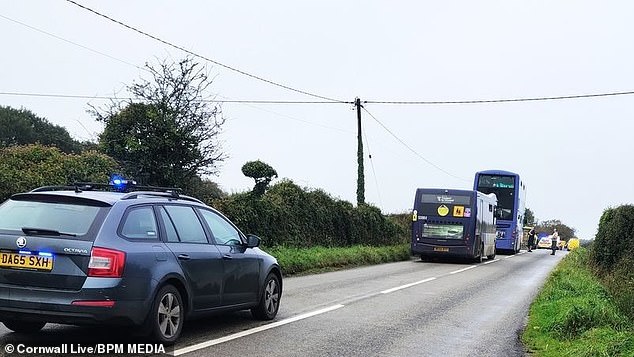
(464, 269)
(491, 261)
(406, 286)
(237, 335)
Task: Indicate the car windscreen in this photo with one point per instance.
(65, 218)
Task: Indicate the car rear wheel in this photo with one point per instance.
(492, 256)
(166, 317)
(270, 299)
(24, 326)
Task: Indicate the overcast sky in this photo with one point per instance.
(575, 156)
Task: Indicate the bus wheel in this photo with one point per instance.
(478, 259)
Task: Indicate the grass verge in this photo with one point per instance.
(318, 259)
(574, 315)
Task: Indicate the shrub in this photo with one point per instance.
(23, 168)
(293, 216)
(612, 253)
(615, 237)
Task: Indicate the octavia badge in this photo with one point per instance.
(21, 242)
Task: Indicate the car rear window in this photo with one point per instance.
(62, 217)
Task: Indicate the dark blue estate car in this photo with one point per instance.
(78, 255)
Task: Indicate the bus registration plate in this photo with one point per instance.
(12, 260)
(441, 249)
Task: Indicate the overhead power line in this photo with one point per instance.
(71, 42)
(534, 99)
(73, 96)
(265, 101)
(410, 148)
(203, 57)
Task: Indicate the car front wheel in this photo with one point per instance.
(24, 326)
(270, 299)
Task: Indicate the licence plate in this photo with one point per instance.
(441, 249)
(26, 261)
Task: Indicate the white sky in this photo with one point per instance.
(575, 156)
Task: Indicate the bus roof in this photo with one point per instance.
(445, 191)
(496, 172)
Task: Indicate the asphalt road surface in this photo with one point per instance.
(397, 309)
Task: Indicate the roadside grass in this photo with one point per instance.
(574, 315)
(296, 261)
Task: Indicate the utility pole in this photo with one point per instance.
(360, 176)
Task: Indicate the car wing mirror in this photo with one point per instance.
(253, 241)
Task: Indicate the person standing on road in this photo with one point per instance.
(555, 240)
(531, 239)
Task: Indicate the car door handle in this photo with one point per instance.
(183, 256)
(227, 257)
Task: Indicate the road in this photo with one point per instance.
(397, 309)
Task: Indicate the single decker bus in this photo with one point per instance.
(453, 223)
(511, 194)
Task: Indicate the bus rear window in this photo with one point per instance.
(442, 231)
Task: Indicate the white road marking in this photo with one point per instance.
(237, 335)
(289, 320)
(406, 286)
(461, 270)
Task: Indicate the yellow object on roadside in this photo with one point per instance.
(573, 243)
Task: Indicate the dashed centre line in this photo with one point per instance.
(407, 285)
(463, 269)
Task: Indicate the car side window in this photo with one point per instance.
(224, 233)
(172, 236)
(140, 224)
(187, 224)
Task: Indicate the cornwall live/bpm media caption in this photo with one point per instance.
(78, 349)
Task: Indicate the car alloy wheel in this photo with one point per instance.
(168, 315)
(270, 299)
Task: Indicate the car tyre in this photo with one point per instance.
(492, 256)
(269, 303)
(166, 317)
(24, 326)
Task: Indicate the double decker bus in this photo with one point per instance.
(511, 194)
(453, 223)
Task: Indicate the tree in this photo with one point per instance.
(23, 127)
(166, 135)
(205, 190)
(529, 217)
(261, 172)
(565, 232)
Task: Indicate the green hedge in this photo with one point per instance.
(288, 215)
(23, 168)
(613, 254)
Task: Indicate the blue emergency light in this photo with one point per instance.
(119, 183)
